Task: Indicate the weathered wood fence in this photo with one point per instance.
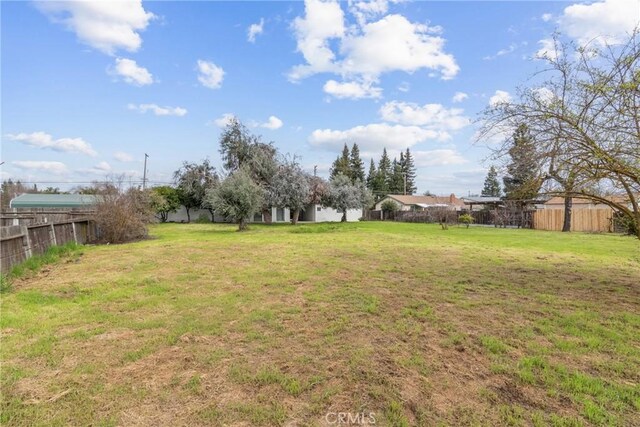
(594, 220)
(20, 242)
(39, 215)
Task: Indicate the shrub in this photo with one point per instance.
(389, 207)
(122, 216)
(466, 219)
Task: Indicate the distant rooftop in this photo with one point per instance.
(37, 200)
(481, 199)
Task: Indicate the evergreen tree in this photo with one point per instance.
(396, 180)
(522, 181)
(491, 185)
(341, 166)
(356, 165)
(384, 174)
(371, 177)
(409, 169)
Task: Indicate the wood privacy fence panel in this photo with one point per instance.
(593, 220)
(41, 238)
(19, 243)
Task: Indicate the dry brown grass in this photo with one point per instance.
(204, 326)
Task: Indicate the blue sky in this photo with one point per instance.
(89, 87)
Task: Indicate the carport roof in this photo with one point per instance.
(53, 201)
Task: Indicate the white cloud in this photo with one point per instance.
(546, 17)
(459, 97)
(373, 137)
(56, 168)
(444, 157)
(104, 25)
(608, 21)
(101, 168)
(500, 97)
(273, 123)
(368, 49)
(223, 120)
(44, 140)
(211, 75)
(367, 10)
(323, 21)
(255, 30)
(352, 90)
(157, 110)
(512, 47)
(121, 156)
(433, 116)
(404, 87)
(395, 44)
(131, 72)
(543, 94)
(547, 50)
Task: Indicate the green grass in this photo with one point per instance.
(34, 264)
(282, 324)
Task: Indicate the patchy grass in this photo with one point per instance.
(282, 325)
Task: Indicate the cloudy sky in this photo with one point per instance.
(89, 87)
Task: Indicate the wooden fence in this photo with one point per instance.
(594, 220)
(39, 215)
(20, 242)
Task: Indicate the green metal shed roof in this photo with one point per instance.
(53, 201)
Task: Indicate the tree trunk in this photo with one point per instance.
(296, 214)
(344, 216)
(213, 217)
(242, 225)
(268, 219)
(568, 205)
(188, 214)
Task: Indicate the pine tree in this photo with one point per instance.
(409, 169)
(341, 165)
(491, 185)
(384, 173)
(356, 165)
(371, 177)
(396, 181)
(522, 181)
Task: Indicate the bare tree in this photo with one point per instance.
(585, 119)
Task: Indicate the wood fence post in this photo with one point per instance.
(52, 233)
(75, 233)
(26, 241)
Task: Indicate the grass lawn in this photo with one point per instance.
(281, 325)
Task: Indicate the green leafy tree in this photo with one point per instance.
(192, 181)
(238, 197)
(164, 200)
(356, 165)
(344, 195)
(240, 148)
(396, 179)
(290, 188)
(491, 184)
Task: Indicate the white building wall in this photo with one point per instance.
(324, 214)
(181, 215)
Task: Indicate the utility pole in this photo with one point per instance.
(315, 170)
(404, 176)
(144, 175)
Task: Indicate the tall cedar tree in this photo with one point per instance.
(409, 169)
(491, 184)
(523, 179)
(356, 165)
